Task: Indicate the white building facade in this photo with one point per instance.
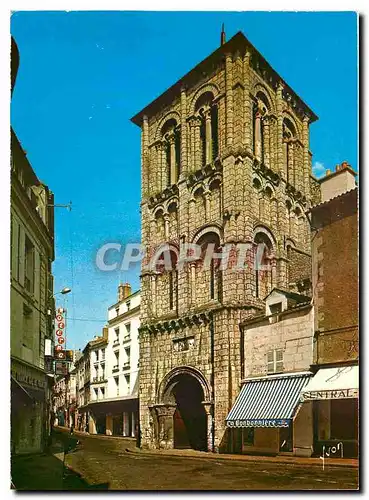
(114, 361)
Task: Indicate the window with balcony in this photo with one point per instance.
(116, 380)
(96, 356)
(102, 354)
(29, 265)
(116, 338)
(127, 362)
(116, 366)
(127, 335)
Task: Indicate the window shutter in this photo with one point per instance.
(270, 361)
(279, 360)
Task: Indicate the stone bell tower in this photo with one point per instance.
(225, 162)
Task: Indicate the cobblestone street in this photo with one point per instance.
(104, 463)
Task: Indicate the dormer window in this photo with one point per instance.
(275, 308)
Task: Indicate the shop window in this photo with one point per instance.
(286, 438)
(344, 419)
(248, 436)
(275, 361)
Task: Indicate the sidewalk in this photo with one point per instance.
(280, 459)
(47, 471)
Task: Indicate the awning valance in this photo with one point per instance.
(268, 401)
(341, 382)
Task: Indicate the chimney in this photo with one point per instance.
(337, 182)
(222, 36)
(124, 290)
(105, 332)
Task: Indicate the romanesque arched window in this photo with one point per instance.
(207, 112)
(263, 265)
(260, 126)
(165, 266)
(208, 269)
(289, 139)
(171, 143)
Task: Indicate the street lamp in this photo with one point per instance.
(64, 291)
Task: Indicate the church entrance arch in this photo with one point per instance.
(185, 390)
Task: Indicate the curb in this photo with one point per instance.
(250, 458)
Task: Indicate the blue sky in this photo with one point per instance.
(82, 76)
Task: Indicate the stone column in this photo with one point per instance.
(158, 165)
(197, 143)
(291, 164)
(208, 136)
(229, 100)
(207, 205)
(164, 165)
(280, 159)
(153, 294)
(273, 263)
(266, 158)
(91, 425)
(144, 157)
(208, 407)
(165, 414)
(247, 102)
(285, 171)
(258, 136)
(193, 283)
(172, 160)
(166, 226)
(184, 162)
(109, 425)
(306, 169)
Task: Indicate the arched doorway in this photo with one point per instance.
(189, 418)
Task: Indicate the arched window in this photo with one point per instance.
(171, 140)
(207, 111)
(262, 264)
(289, 136)
(208, 272)
(260, 112)
(167, 280)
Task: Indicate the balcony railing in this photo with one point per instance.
(115, 368)
(116, 342)
(127, 338)
(127, 365)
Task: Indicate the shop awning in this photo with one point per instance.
(341, 382)
(268, 401)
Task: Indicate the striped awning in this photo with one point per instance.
(268, 401)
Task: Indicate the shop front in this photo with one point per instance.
(116, 417)
(334, 394)
(28, 408)
(267, 417)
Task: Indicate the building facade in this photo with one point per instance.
(31, 296)
(334, 389)
(276, 353)
(108, 402)
(225, 165)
